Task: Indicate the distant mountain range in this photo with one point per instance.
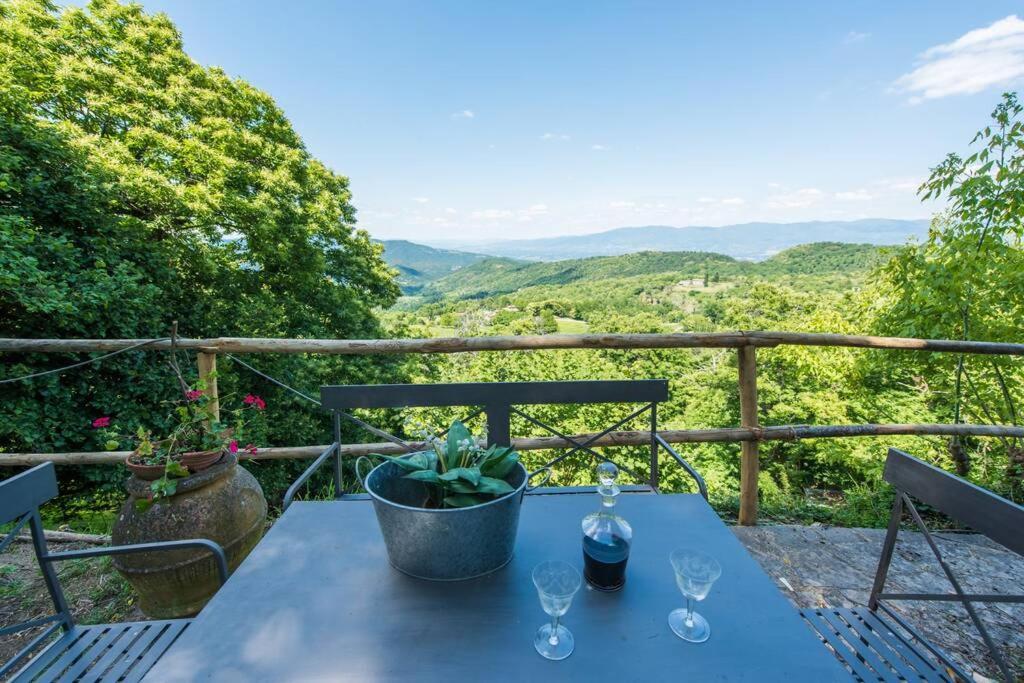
(754, 241)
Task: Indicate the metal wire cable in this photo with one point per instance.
(84, 362)
(352, 418)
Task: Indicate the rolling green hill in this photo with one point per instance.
(494, 276)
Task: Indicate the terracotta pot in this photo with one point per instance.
(223, 503)
(144, 472)
(197, 461)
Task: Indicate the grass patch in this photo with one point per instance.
(10, 585)
(571, 326)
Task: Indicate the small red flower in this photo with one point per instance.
(250, 449)
(101, 422)
(255, 401)
(194, 394)
(233, 446)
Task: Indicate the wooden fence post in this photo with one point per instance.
(749, 463)
(207, 372)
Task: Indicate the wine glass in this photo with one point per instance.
(556, 582)
(695, 573)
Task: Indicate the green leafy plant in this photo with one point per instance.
(457, 471)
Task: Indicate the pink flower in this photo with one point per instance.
(194, 394)
(101, 422)
(254, 400)
(250, 449)
(233, 446)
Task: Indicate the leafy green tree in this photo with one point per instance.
(137, 188)
(967, 280)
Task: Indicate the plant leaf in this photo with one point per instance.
(470, 474)
(500, 467)
(495, 486)
(411, 463)
(459, 486)
(458, 432)
(429, 476)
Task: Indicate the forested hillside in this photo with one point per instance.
(500, 276)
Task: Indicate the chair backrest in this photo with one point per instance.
(25, 492)
(495, 397)
(983, 511)
(20, 498)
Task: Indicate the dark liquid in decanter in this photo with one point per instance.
(604, 564)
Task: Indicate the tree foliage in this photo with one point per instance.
(138, 187)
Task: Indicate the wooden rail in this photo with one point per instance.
(745, 342)
(360, 347)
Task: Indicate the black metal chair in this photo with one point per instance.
(875, 643)
(499, 401)
(108, 652)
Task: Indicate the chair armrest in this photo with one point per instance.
(218, 552)
(304, 477)
(701, 486)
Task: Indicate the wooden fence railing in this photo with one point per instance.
(749, 434)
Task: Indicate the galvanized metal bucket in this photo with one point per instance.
(448, 544)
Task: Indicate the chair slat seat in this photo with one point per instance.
(107, 652)
(871, 648)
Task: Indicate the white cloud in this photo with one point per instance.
(491, 214)
(421, 200)
(854, 196)
(464, 114)
(554, 136)
(902, 184)
(734, 201)
(796, 200)
(855, 37)
(450, 211)
(621, 205)
(599, 148)
(979, 59)
(706, 200)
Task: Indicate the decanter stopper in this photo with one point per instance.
(607, 473)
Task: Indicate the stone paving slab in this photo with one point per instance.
(820, 566)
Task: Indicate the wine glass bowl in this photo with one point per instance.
(696, 573)
(556, 583)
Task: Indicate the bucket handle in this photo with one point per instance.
(359, 475)
(547, 475)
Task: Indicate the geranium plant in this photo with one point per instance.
(196, 429)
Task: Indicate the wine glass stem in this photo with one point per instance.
(689, 612)
(553, 638)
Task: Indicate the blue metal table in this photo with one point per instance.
(317, 601)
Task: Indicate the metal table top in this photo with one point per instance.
(317, 601)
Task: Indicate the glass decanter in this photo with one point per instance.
(606, 536)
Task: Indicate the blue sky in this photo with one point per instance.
(482, 120)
